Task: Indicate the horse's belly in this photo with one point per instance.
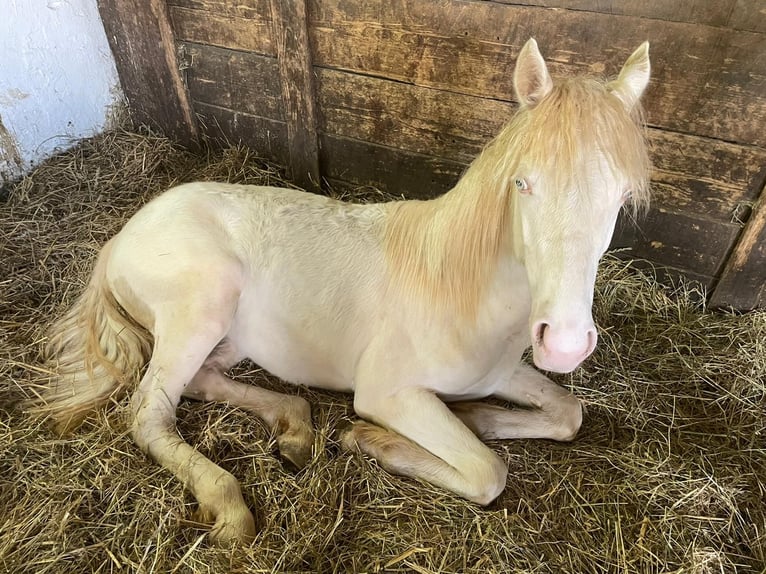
(298, 347)
(295, 361)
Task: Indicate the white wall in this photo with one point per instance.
(58, 82)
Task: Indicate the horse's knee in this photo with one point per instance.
(567, 418)
(487, 481)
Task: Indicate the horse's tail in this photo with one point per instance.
(95, 351)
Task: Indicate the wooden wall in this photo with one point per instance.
(402, 94)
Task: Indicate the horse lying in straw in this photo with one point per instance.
(412, 305)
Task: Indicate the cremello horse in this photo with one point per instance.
(412, 305)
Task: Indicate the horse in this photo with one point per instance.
(420, 308)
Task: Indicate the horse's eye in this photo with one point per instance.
(521, 185)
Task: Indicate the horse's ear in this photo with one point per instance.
(634, 77)
(530, 78)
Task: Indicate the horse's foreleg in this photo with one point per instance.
(550, 411)
(416, 435)
(180, 350)
(288, 416)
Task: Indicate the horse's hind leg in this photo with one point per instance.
(288, 416)
(186, 332)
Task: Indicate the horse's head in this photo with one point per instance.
(581, 156)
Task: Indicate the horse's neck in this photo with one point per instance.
(447, 249)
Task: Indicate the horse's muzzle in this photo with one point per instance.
(561, 349)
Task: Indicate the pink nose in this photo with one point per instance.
(561, 349)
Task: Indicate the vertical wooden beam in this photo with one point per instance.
(743, 281)
(290, 25)
(141, 38)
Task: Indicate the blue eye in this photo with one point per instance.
(521, 185)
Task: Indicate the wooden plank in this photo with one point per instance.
(413, 176)
(729, 98)
(266, 137)
(296, 76)
(142, 43)
(694, 11)
(743, 281)
(698, 175)
(250, 9)
(736, 14)
(416, 119)
(236, 80)
(749, 15)
(707, 80)
(695, 175)
(677, 240)
(206, 23)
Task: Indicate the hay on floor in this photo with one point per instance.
(667, 475)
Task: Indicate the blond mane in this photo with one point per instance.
(444, 251)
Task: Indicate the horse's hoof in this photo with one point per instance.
(236, 528)
(346, 437)
(296, 446)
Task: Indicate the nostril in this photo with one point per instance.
(539, 332)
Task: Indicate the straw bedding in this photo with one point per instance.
(667, 475)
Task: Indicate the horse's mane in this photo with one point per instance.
(445, 250)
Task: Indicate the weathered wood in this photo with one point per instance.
(743, 281)
(706, 80)
(251, 9)
(678, 240)
(693, 174)
(240, 81)
(143, 46)
(219, 24)
(413, 118)
(749, 15)
(409, 175)
(296, 76)
(694, 11)
(736, 14)
(698, 175)
(268, 138)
